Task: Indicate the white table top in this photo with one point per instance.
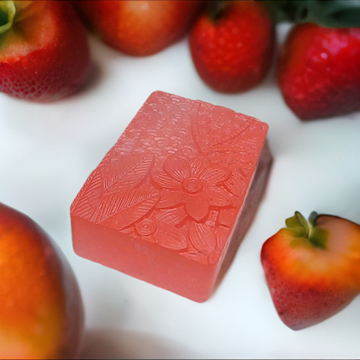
(48, 150)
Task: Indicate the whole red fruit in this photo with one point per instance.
(45, 55)
(139, 28)
(312, 268)
(319, 71)
(41, 309)
(231, 45)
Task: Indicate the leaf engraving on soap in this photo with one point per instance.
(222, 235)
(218, 241)
(168, 234)
(86, 201)
(216, 128)
(125, 207)
(125, 172)
(202, 238)
(104, 192)
(171, 216)
(236, 183)
(171, 238)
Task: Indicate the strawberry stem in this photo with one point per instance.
(215, 9)
(308, 229)
(7, 14)
(299, 225)
(312, 218)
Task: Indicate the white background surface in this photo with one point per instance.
(48, 150)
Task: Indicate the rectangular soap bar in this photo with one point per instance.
(171, 201)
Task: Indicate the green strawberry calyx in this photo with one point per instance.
(333, 14)
(307, 229)
(7, 15)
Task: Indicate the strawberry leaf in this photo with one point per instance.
(7, 14)
(312, 218)
(298, 224)
(318, 237)
(307, 229)
(336, 14)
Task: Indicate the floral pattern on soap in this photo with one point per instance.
(176, 178)
(197, 184)
(160, 227)
(112, 195)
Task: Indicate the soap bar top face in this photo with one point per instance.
(177, 176)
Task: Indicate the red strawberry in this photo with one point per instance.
(139, 28)
(231, 45)
(44, 51)
(312, 268)
(319, 72)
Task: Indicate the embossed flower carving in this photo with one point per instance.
(195, 183)
(160, 227)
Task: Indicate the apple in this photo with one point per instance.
(41, 309)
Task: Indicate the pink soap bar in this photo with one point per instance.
(171, 201)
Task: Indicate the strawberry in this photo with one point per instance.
(231, 45)
(319, 72)
(312, 268)
(139, 28)
(44, 51)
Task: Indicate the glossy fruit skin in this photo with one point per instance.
(233, 53)
(139, 28)
(41, 308)
(303, 292)
(319, 72)
(51, 70)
